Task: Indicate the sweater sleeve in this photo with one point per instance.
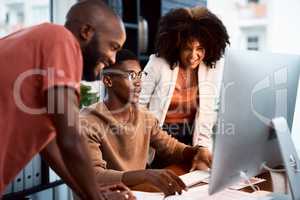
(166, 146)
(93, 137)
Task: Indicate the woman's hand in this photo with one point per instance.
(202, 159)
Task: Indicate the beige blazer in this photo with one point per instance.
(157, 90)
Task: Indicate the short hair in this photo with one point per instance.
(125, 54)
(122, 55)
(180, 25)
(89, 11)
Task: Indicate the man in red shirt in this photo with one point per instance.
(41, 68)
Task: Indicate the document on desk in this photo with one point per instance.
(194, 177)
(198, 193)
(243, 183)
(148, 195)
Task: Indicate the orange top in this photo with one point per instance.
(184, 102)
(32, 60)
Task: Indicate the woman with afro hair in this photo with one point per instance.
(182, 80)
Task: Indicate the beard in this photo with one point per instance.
(88, 70)
(90, 59)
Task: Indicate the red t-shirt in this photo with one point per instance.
(31, 61)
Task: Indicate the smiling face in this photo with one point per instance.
(191, 54)
(101, 50)
(121, 84)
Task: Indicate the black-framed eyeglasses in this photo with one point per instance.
(130, 75)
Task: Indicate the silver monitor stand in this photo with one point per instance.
(290, 160)
(289, 157)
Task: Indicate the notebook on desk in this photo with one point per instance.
(194, 177)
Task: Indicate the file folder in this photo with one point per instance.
(37, 170)
(18, 184)
(28, 175)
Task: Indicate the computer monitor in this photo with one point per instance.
(257, 87)
(296, 126)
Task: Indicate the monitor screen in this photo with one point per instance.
(256, 88)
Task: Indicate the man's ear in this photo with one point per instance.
(107, 81)
(86, 32)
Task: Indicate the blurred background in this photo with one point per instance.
(258, 25)
(263, 25)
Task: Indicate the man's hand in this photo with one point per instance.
(115, 192)
(165, 180)
(199, 157)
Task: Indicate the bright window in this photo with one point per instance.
(253, 43)
(17, 14)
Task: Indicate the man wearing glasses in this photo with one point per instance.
(119, 133)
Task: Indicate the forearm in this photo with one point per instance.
(166, 147)
(70, 144)
(77, 161)
(107, 176)
(52, 156)
(133, 178)
(173, 155)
